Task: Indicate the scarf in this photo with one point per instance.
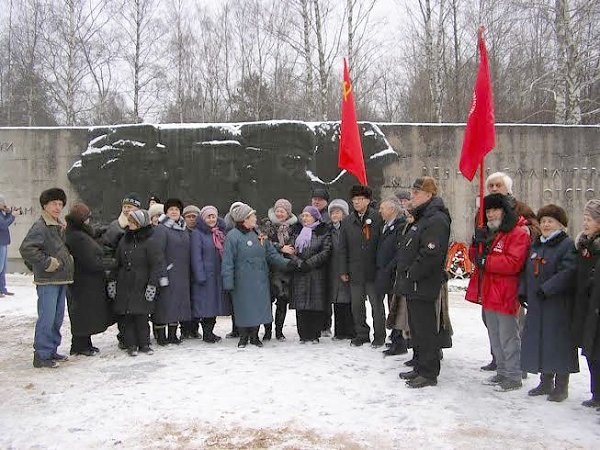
(170, 223)
(283, 233)
(303, 239)
(543, 239)
(218, 238)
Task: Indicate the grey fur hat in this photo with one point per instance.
(339, 203)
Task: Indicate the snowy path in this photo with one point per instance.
(285, 395)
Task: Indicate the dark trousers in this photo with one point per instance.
(309, 324)
(281, 306)
(248, 331)
(81, 343)
(344, 324)
(423, 333)
(594, 366)
(136, 331)
(359, 294)
(327, 314)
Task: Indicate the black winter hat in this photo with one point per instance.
(554, 211)
(320, 192)
(361, 191)
(154, 197)
(52, 194)
(495, 201)
(132, 199)
(174, 202)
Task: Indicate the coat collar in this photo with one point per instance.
(51, 221)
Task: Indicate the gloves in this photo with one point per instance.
(541, 294)
(480, 261)
(150, 293)
(54, 265)
(305, 267)
(480, 235)
(523, 301)
(111, 290)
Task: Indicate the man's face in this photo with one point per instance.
(319, 203)
(497, 186)
(127, 209)
(54, 208)
(419, 197)
(405, 202)
(360, 203)
(387, 211)
(494, 217)
(190, 220)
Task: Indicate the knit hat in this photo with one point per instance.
(174, 202)
(320, 192)
(426, 184)
(235, 205)
(154, 198)
(313, 212)
(592, 209)
(207, 211)
(191, 209)
(132, 199)
(156, 210)
(339, 204)
(79, 212)
(361, 191)
(554, 211)
(141, 217)
(285, 204)
(495, 201)
(52, 194)
(240, 212)
(403, 195)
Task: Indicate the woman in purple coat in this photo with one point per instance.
(208, 297)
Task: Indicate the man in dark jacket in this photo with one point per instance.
(358, 247)
(387, 250)
(319, 198)
(45, 253)
(420, 273)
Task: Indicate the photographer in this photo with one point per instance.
(7, 217)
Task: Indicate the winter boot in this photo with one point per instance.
(397, 348)
(211, 329)
(160, 335)
(280, 313)
(254, 340)
(561, 388)
(194, 333)
(172, 334)
(185, 329)
(545, 387)
(243, 332)
(268, 332)
(39, 363)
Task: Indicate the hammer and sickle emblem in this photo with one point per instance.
(347, 88)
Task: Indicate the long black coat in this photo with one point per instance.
(339, 291)
(586, 317)
(140, 263)
(88, 304)
(387, 256)
(358, 246)
(547, 345)
(309, 289)
(422, 252)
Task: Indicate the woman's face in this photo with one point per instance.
(250, 222)
(307, 219)
(549, 225)
(281, 214)
(336, 215)
(590, 226)
(173, 213)
(132, 225)
(154, 220)
(211, 220)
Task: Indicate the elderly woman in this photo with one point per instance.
(587, 300)
(155, 212)
(279, 226)
(89, 308)
(173, 304)
(312, 247)
(208, 297)
(245, 271)
(546, 288)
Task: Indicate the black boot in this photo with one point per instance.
(185, 329)
(268, 332)
(208, 325)
(545, 387)
(194, 333)
(254, 340)
(280, 313)
(160, 333)
(234, 330)
(243, 332)
(397, 348)
(561, 388)
(172, 337)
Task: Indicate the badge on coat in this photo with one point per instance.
(431, 246)
(249, 243)
(533, 255)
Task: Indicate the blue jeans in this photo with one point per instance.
(51, 311)
(3, 259)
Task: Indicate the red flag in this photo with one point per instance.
(350, 155)
(480, 135)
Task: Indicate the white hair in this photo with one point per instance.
(508, 182)
(394, 203)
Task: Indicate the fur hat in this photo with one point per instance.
(79, 212)
(320, 192)
(495, 201)
(338, 203)
(240, 212)
(52, 194)
(361, 191)
(592, 209)
(191, 209)
(426, 184)
(285, 204)
(554, 211)
(403, 195)
(207, 211)
(312, 211)
(174, 202)
(156, 210)
(141, 217)
(132, 199)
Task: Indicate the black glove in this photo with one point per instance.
(480, 235)
(523, 301)
(541, 294)
(480, 261)
(305, 267)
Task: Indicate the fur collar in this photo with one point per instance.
(292, 220)
(141, 234)
(584, 242)
(49, 220)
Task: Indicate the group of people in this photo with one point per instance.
(179, 267)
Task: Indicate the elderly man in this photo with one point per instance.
(419, 277)
(392, 213)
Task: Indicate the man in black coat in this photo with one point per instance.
(392, 213)
(420, 272)
(358, 247)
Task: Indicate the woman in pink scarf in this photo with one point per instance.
(208, 297)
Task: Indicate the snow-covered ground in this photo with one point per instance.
(285, 395)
